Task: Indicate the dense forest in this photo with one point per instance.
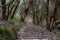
(17, 15)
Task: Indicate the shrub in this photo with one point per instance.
(7, 33)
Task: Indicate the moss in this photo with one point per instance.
(7, 33)
(2, 30)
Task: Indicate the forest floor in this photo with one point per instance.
(30, 28)
(31, 31)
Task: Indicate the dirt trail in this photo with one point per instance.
(31, 31)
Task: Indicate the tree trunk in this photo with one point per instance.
(47, 20)
(52, 19)
(15, 8)
(3, 9)
(26, 10)
(10, 10)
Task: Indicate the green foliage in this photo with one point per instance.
(6, 33)
(2, 30)
(0, 14)
(17, 17)
(10, 33)
(2, 33)
(57, 33)
(7, 1)
(43, 24)
(1, 38)
(11, 20)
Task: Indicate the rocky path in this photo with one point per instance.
(31, 31)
